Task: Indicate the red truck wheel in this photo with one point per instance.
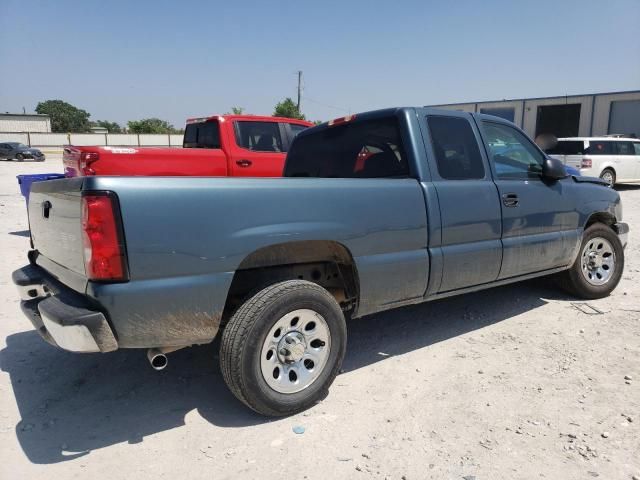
(283, 348)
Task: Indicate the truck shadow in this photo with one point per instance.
(71, 404)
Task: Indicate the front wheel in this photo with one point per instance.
(283, 347)
(598, 268)
(19, 157)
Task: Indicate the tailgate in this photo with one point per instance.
(55, 221)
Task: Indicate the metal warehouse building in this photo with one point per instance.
(20, 122)
(568, 116)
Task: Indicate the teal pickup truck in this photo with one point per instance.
(376, 210)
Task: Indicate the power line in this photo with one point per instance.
(327, 105)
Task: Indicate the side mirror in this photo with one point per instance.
(553, 168)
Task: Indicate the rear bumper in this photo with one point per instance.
(622, 229)
(61, 316)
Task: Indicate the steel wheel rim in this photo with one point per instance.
(608, 177)
(598, 261)
(295, 351)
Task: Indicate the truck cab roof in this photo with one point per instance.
(246, 117)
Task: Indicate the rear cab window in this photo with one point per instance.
(361, 149)
(259, 136)
(202, 135)
(455, 148)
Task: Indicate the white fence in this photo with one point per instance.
(116, 139)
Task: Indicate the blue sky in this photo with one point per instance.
(124, 60)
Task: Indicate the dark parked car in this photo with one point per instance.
(19, 151)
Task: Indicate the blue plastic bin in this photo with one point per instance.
(25, 181)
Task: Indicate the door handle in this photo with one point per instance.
(244, 163)
(510, 200)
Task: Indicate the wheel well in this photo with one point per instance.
(601, 217)
(328, 264)
(613, 170)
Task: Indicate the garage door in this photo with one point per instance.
(625, 117)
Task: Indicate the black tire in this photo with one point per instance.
(19, 157)
(574, 281)
(607, 172)
(246, 332)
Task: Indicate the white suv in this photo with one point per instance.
(614, 159)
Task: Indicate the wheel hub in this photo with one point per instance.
(291, 347)
(295, 351)
(598, 261)
(595, 261)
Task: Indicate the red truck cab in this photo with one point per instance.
(217, 146)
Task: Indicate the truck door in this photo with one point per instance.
(469, 203)
(259, 149)
(539, 220)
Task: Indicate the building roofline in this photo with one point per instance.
(533, 98)
(24, 114)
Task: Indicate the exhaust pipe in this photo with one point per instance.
(158, 356)
(157, 359)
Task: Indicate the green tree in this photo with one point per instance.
(64, 116)
(112, 127)
(288, 109)
(237, 110)
(151, 125)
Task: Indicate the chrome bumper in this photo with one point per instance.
(61, 316)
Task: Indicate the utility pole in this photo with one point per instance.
(299, 88)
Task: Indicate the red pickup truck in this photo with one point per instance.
(216, 146)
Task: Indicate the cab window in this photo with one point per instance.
(364, 149)
(296, 129)
(456, 149)
(202, 135)
(259, 136)
(512, 153)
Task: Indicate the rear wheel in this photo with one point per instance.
(19, 157)
(283, 347)
(608, 176)
(598, 268)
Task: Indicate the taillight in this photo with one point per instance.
(341, 120)
(104, 254)
(586, 163)
(85, 161)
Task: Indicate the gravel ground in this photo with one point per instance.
(514, 382)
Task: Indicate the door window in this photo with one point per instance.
(455, 147)
(259, 136)
(636, 147)
(512, 153)
(597, 147)
(296, 129)
(624, 148)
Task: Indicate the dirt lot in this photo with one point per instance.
(514, 382)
